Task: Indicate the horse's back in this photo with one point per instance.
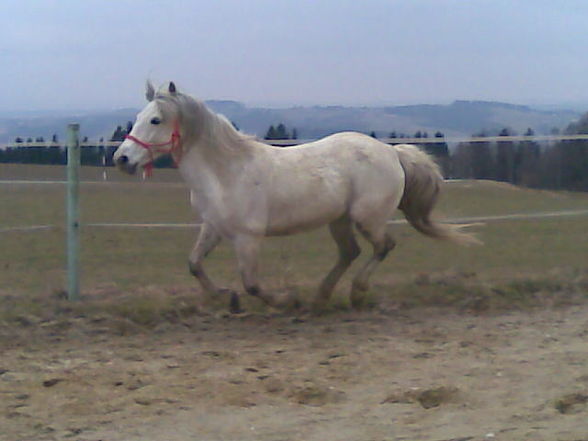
(347, 149)
(364, 160)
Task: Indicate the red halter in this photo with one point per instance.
(175, 148)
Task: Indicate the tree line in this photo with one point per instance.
(280, 132)
(560, 165)
(55, 154)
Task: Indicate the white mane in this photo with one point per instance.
(202, 125)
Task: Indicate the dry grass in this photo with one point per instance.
(142, 274)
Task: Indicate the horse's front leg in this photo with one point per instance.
(247, 251)
(208, 239)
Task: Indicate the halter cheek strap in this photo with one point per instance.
(174, 147)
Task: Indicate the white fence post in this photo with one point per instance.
(73, 215)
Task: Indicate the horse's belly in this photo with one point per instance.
(302, 217)
(308, 192)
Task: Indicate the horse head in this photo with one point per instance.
(156, 132)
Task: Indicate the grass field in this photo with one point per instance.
(522, 261)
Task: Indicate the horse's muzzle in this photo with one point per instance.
(124, 165)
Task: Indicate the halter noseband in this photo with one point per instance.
(175, 148)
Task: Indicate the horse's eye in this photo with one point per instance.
(155, 121)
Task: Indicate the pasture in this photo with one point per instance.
(457, 343)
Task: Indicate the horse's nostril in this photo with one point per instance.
(123, 159)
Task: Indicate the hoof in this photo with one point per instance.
(358, 303)
(234, 301)
(295, 303)
(287, 301)
(318, 308)
(358, 294)
(235, 304)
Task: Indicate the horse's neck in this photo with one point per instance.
(206, 165)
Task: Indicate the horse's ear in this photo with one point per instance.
(172, 88)
(149, 91)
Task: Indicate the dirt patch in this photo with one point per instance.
(428, 398)
(423, 374)
(572, 403)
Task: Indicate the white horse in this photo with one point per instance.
(245, 190)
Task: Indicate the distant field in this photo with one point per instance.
(528, 256)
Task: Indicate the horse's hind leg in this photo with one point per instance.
(342, 232)
(208, 239)
(382, 242)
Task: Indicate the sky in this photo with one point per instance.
(97, 54)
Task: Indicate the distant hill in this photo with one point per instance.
(469, 117)
(461, 118)
(93, 124)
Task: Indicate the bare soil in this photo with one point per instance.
(423, 374)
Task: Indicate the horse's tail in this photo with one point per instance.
(422, 185)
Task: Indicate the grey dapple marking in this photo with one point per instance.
(245, 190)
